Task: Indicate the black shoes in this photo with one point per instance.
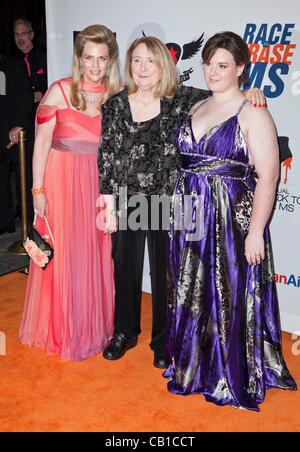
(160, 361)
(118, 346)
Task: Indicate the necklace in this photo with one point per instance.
(92, 98)
(92, 92)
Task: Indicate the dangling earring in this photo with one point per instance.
(108, 72)
(81, 69)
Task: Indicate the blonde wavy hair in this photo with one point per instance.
(98, 34)
(169, 83)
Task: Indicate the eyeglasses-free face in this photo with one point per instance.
(145, 71)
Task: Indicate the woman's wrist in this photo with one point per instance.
(110, 210)
(36, 191)
(257, 232)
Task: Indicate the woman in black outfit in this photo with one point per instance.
(137, 154)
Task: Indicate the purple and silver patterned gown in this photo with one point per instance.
(223, 319)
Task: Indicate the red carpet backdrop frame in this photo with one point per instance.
(273, 36)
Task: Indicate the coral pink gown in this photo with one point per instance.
(69, 306)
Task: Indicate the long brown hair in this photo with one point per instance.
(98, 34)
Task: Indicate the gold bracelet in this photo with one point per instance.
(37, 191)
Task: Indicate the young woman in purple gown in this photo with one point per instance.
(223, 318)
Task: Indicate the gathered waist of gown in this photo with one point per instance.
(75, 146)
(218, 167)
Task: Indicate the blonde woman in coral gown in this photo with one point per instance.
(69, 306)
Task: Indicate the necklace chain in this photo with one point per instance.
(92, 98)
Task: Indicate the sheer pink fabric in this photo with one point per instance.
(69, 307)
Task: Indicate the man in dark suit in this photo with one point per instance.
(16, 104)
(35, 59)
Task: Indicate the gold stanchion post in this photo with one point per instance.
(18, 247)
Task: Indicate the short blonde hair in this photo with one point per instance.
(98, 34)
(170, 79)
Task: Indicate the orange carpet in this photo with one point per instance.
(40, 393)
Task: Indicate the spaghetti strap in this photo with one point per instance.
(63, 93)
(241, 107)
(193, 111)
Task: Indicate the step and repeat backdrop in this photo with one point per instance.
(273, 36)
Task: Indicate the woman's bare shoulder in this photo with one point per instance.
(259, 117)
(255, 113)
(54, 95)
(196, 107)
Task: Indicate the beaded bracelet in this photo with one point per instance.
(37, 191)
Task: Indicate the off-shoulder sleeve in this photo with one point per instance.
(46, 111)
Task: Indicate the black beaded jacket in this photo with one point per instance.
(142, 156)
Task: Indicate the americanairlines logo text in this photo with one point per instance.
(272, 50)
(291, 280)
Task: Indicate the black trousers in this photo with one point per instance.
(128, 255)
(7, 209)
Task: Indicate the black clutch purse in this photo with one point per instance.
(38, 248)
